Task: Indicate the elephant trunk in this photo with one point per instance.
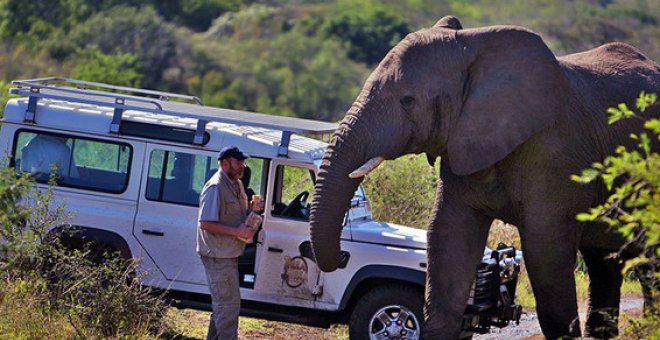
(333, 192)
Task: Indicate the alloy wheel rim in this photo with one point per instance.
(394, 322)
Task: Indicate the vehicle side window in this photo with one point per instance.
(178, 177)
(73, 161)
(294, 187)
(254, 181)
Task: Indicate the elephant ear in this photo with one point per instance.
(449, 22)
(514, 88)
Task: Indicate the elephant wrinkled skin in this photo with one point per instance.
(510, 122)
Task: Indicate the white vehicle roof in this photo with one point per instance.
(110, 112)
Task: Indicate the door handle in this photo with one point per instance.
(275, 250)
(153, 232)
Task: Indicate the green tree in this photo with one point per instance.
(37, 20)
(140, 32)
(19, 19)
(291, 73)
(195, 14)
(118, 69)
(308, 77)
(370, 30)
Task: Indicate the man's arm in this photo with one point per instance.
(209, 204)
(218, 228)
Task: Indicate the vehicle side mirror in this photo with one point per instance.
(305, 249)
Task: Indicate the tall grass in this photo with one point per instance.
(25, 312)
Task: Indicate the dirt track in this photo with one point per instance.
(529, 323)
(527, 329)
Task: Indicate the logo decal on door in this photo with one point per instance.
(295, 271)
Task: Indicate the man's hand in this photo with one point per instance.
(245, 231)
(216, 228)
(257, 205)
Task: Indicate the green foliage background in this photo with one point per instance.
(304, 58)
(286, 57)
(403, 191)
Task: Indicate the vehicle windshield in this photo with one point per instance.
(360, 208)
(358, 196)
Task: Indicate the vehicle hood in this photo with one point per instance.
(388, 234)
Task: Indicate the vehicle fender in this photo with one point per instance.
(87, 234)
(382, 272)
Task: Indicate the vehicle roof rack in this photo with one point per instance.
(125, 98)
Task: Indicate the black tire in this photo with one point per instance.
(384, 304)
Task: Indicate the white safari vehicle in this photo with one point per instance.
(130, 165)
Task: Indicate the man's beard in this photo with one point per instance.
(235, 174)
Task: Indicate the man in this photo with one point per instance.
(223, 208)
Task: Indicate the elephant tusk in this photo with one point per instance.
(368, 167)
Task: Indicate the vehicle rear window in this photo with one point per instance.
(73, 161)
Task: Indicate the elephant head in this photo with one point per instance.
(446, 92)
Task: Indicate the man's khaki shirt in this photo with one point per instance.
(222, 200)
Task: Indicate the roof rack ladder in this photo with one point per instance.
(31, 111)
(283, 150)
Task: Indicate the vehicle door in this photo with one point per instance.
(166, 222)
(282, 270)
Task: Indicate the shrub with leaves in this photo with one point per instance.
(633, 208)
(94, 295)
(403, 191)
(634, 205)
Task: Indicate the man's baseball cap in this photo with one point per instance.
(233, 152)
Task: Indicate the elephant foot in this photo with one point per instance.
(557, 332)
(603, 324)
(430, 332)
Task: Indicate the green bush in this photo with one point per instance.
(403, 191)
(633, 177)
(633, 207)
(50, 289)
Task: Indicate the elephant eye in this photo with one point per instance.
(407, 101)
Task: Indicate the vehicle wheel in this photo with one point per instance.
(388, 312)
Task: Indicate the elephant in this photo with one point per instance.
(510, 122)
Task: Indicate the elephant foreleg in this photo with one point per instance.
(456, 240)
(550, 251)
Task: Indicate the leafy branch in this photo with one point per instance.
(634, 176)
